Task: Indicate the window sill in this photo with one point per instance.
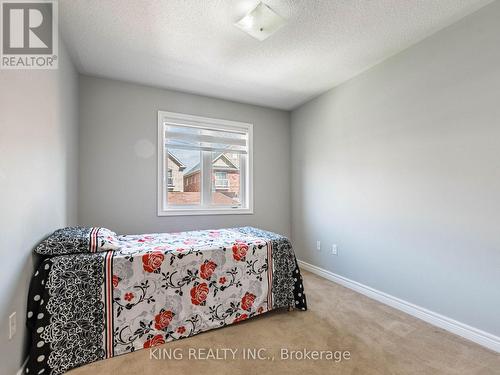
(193, 212)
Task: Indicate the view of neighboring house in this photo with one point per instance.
(175, 173)
(225, 178)
(184, 187)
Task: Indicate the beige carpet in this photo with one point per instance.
(380, 340)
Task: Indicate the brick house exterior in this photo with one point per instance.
(184, 187)
(225, 178)
(192, 181)
(175, 173)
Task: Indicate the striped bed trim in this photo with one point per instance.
(93, 243)
(108, 304)
(269, 275)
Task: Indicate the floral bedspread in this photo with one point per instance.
(154, 289)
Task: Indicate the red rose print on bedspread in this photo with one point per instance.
(163, 319)
(154, 341)
(199, 294)
(240, 251)
(247, 301)
(207, 269)
(240, 318)
(152, 261)
(116, 281)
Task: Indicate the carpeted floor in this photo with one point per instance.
(379, 339)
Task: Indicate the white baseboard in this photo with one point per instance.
(21, 370)
(470, 333)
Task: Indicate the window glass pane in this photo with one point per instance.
(183, 177)
(226, 179)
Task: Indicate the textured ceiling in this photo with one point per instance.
(192, 45)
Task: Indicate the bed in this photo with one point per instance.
(149, 289)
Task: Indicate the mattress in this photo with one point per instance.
(154, 289)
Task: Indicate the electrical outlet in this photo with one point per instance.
(12, 325)
(318, 245)
(334, 249)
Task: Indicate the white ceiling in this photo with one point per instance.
(192, 45)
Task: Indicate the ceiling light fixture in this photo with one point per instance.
(261, 22)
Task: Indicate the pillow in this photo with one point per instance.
(72, 240)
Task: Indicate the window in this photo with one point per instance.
(204, 165)
(170, 178)
(221, 181)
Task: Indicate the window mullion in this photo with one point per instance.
(206, 178)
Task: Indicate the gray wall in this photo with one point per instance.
(118, 188)
(38, 178)
(400, 167)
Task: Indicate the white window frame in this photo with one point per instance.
(246, 168)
